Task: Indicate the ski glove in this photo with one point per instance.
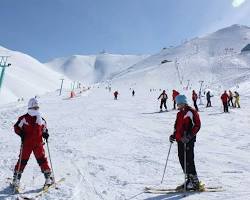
(46, 134)
(186, 139)
(172, 138)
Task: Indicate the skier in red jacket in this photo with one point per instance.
(194, 98)
(225, 98)
(32, 128)
(187, 125)
(175, 93)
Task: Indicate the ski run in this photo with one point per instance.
(109, 149)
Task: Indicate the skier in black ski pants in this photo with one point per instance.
(209, 99)
(187, 125)
(163, 96)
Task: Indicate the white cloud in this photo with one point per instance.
(237, 3)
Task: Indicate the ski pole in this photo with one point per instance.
(50, 160)
(20, 158)
(185, 168)
(166, 162)
(19, 163)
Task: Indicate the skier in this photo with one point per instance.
(116, 95)
(209, 99)
(230, 99)
(187, 125)
(175, 93)
(237, 99)
(133, 93)
(194, 98)
(225, 98)
(32, 128)
(163, 96)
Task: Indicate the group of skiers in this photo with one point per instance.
(32, 129)
(227, 100)
(116, 94)
(163, 97)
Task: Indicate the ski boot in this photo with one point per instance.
(195, 183)
(49, 180)
(192, 184)
(16, 182)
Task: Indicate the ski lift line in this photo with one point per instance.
(178, 70)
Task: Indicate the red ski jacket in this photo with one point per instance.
(188, 121)
(224, 97)
(32, 131)
(175, 93)
(194, 96)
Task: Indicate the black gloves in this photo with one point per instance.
(172, 138)
(46, 134)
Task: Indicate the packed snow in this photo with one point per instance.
(111, 149)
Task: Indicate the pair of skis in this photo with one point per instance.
(202, 188)
(40, 193)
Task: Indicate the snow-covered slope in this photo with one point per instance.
(26, 77)
(77, 67)
(110, 149)
(93, 69)
(215, 59)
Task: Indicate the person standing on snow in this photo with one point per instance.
(32, 128)
(186, 127)
(133, 93)
(175, 93)
(194, 98)
(209, 99)
(237, 99)
(225, 98)
(116, 95)
(163, 96)
(230, 98)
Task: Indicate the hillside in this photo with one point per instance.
(95, 68)
(215, 59)
(26, 77)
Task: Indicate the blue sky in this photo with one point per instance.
(46, 29)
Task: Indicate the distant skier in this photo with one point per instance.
(194, 98)
(133, 93)
(237, 99)
(116, 95)
(163, 96)
(224, 97)
(32, 128)
(175, 93)
(230, 99)
(186, 127)
(209, 99)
